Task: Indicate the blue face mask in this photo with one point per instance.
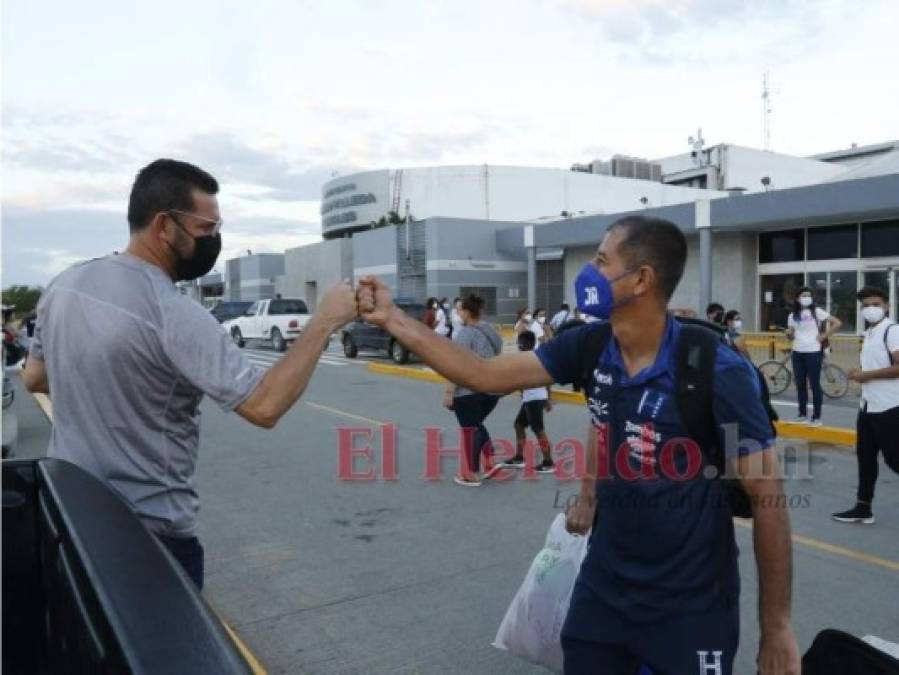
(593, 291)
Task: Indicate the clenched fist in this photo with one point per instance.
(375, 303)
(338, 306)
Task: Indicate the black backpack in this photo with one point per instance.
(837, 653)
(694, 383)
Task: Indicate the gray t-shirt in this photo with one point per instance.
(128, 359)
(482, 339)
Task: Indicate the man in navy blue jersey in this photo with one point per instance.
(660, 583)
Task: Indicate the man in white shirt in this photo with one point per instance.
(877, 428)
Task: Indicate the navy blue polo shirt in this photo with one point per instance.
(663, 541)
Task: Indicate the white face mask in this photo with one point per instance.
(541, 319)
(873, 314)
(738, 325)
(527, 317)
(805, 300)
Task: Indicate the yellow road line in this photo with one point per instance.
(248, 656)
(405, 371)
(850, 553)
(336, 411)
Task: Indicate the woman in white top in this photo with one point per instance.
(440, 327)
(523, 321)
(809, 327)
(456, 316)
(539, 327)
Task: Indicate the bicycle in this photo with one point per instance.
(779, 376)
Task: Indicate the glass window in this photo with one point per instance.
(843, 287)
(837, 241)
(783, 246)
(778, 293)
(877, 279)
(817, 281)
(880, 239)
(252, 309)
(280, 307)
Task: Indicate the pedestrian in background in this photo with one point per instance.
(522, 320)
(429, 318)
(809, 327)
(714, 313)
(733, 322)
(472, 408)
(455, 317)
(877, 425)
(534, 402)
(441, 322)
(560, 317)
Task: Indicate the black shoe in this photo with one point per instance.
(546, 467)
(860, 513)
(515, 462)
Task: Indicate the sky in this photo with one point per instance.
(274, 98)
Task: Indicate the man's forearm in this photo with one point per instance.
(889, 373)
(286, 381)
(450, 360)
(774, 558)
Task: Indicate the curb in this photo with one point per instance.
(830, 435)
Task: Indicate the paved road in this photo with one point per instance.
(321, 575)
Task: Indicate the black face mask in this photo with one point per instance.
(206, 252)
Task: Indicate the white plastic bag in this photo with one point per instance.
(532, 626)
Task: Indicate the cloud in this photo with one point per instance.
(271, 166)
(39, 244)
(710, 32)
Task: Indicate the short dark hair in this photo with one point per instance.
(873, 292)
(713, 308)
(655, 242)
(165, 184)
(473, 304)
(731, 315)
(526, 340)
(564, 307)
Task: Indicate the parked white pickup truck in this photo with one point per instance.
(278, 321)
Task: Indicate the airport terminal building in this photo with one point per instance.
(759, 225)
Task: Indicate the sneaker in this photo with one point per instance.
(860, 513)
(492, 471)
(802, 419)
(515, 462)
(467, 482)
(547, 466)
(816, 423)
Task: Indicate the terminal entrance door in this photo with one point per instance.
(778, 291)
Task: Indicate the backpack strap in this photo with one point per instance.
(886, 344)
(590, 351)
(697, 348)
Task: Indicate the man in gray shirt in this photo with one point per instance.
(127, 358)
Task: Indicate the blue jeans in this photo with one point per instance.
(471, 411)
(807, 368)
(189, 554)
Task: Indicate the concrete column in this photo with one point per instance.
(704, 227)
(532, 265)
